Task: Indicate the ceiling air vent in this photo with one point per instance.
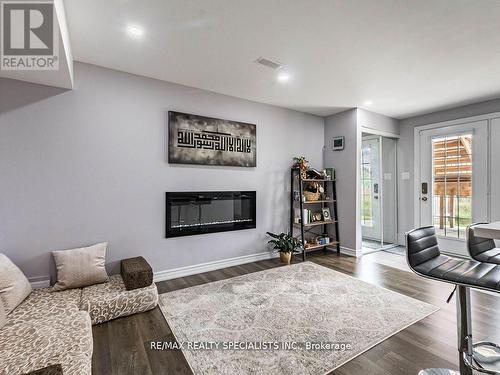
(269, 63)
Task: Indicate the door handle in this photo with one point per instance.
(424, 199)
(375, 197)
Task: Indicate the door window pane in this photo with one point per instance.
(452, 184)
(366, 186)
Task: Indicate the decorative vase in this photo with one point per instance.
(304, 166)
(285, 257)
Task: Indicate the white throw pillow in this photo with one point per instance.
(3, 316)
(14, 286)
(81, 267)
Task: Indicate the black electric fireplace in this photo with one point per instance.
(190, 213)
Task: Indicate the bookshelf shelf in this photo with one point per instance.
(316, 247)
(322, 222)
(320, 201)
(316, 180)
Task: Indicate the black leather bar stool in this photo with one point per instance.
(480, 248)
(425, 259)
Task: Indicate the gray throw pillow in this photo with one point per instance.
(81, 267)
(14, 286)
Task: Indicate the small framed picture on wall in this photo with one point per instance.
(338, 143)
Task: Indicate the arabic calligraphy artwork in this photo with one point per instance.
(197, 139)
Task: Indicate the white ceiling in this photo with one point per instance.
(407, 56)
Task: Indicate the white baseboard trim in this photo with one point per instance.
(350, 252)
(211, 266)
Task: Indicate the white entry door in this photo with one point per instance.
(453, 188)
(371, 194)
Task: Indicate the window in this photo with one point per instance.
(452, 184)
(366, 187)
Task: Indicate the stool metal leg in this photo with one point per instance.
(464, 329)
(484, 357)
(464, 334)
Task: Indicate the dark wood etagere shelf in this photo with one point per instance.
(320, 201)
(330, 227)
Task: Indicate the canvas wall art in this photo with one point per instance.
(197, 139)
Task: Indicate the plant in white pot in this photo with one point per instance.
(285, 244)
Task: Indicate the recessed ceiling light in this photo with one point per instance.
(283, 77)
(368, 103)
(135, 31)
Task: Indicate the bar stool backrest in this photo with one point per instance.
(421, 246)
(477, 245)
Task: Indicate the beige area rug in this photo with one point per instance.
(266, 322)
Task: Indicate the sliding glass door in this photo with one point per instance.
(378, 192)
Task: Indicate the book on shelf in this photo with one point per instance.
(305, 216)
(308, 216)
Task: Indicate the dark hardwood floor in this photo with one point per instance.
(122, 346)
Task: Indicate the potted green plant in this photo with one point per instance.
(285, 244)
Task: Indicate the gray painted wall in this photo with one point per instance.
(406, 152)
(346, 164)
(89, 165)
(376, 121)
(14, 94)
